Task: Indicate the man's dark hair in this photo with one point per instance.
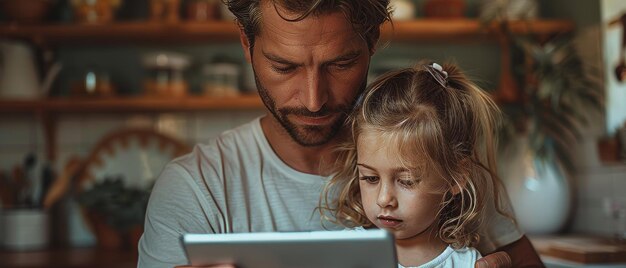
(366, 16)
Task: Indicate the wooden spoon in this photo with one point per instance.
(62, 183)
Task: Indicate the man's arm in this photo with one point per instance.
(520, 253)
(174, 208)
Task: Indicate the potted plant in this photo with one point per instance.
(555, 93)
(115, 212)
(546, 93)
(558, 94)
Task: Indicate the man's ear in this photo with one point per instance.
(245, 44)
(374, 43)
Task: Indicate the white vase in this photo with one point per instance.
(540, 193)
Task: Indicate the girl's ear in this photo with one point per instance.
(457, 188)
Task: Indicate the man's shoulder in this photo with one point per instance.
(227, 148)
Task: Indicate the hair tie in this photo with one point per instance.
(438, 73)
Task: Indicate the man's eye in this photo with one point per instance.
(344, 65)
(369, 179)
(283, 70)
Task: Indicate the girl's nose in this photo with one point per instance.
(386, 196)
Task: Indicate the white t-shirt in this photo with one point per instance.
(450, 257)
(233, 184)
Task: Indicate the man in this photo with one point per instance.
(310, 62)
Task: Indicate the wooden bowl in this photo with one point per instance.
(25, 11)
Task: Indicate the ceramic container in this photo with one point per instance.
(24, 229)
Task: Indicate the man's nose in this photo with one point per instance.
(314, 92)
(386, 196)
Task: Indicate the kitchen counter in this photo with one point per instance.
(70, 258)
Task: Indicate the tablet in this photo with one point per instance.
(330, 249)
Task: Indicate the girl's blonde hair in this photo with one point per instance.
(446, 131)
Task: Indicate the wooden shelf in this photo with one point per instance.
(130, 104)
(123, 33)
(226, 31)
(453, 29)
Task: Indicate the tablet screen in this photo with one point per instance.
(329, 249)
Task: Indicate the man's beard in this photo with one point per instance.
(307, 135)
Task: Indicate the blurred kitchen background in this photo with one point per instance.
(97, 95)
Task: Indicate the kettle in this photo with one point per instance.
(19, 78)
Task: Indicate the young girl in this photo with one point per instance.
(420, 164)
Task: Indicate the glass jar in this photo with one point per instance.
(203, 10)
(164, 10)
(221, 79)
(94, 11)
(166, 74)
(93, 83)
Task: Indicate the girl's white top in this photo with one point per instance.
(450, 257)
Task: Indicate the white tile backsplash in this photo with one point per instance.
(8, 159)
(95, 127)
(594, 186)
(245, 116)
(82, 132)
(139, 121)
(177, 125)
(21, 130)
(591, 220)
(70, 130)
(210, 125)
(67, 152)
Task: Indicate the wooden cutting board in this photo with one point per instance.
(581, 249)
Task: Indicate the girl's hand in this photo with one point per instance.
(498, 259)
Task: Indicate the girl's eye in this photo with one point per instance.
(408, 180)
(407, 183)
(369, 179)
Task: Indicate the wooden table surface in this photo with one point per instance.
(70, 258)
(581, 249)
